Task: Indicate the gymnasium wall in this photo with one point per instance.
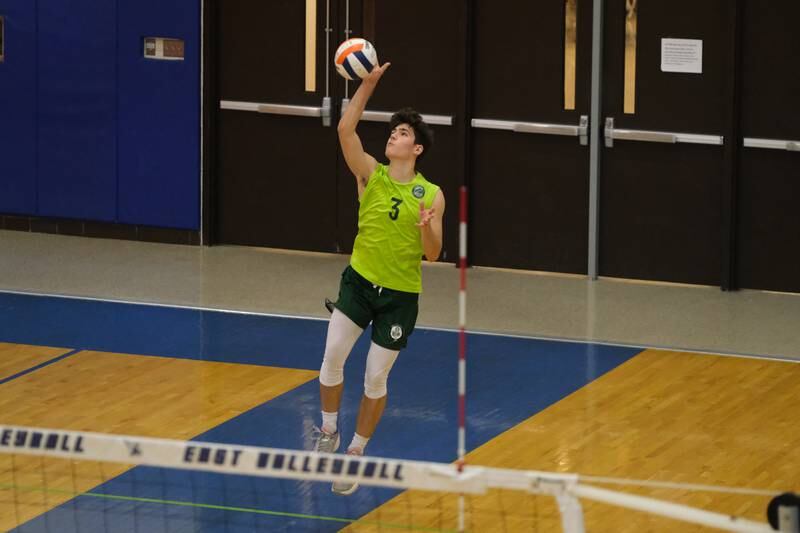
(89, 128)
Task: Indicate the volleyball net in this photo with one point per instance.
(59, 480)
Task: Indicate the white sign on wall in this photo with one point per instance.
(682, 55)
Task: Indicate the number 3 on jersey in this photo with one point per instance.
(395, 212)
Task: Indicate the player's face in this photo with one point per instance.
(401, 143)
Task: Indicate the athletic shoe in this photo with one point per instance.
(326, 442)
(345, 488)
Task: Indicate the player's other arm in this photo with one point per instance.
(360, 163)
(430, 227)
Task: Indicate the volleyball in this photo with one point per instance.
(355, 58)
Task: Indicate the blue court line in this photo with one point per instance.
(37, 367)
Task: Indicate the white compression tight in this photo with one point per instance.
(342, 335)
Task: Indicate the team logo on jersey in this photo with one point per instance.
(396, 332)
(418, 191)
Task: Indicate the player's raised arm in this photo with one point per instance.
(361, 164)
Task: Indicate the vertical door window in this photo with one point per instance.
(570, 52)
(631, 16)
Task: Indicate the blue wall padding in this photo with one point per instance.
(91, 130)
(77, 109)
(18, 108)
(159, 116)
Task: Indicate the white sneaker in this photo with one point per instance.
(345, 488)
(327, 442)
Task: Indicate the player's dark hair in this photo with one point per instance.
(423, 134)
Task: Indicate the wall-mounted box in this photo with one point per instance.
(164, 48)
(2, 39)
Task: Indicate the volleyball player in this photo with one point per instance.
(399, 221)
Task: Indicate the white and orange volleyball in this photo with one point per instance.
(355, 58)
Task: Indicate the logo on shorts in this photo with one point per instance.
(396, 332)
(418, 191)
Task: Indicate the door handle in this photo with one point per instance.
(324, 111)
(386, 116)
(774, 144)
(612, 133)
(581, 130)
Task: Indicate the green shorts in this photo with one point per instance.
(393, 313)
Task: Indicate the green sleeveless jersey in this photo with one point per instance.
(388, 248)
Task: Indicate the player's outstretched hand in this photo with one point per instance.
(425, 215)
(373, 77)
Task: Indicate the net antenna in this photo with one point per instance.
(462, 345)
(568, 504)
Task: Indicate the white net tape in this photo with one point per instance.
(568, 490)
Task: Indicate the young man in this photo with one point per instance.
(399, 220)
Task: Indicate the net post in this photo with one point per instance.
(571, 512)
(570, 508)
(563, 489)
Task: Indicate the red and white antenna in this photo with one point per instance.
(462, 344)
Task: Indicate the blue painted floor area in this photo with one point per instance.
(163, 331)
(508, 381)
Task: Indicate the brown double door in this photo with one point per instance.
(715, 200)
(667, 97)
(529, 161)
(280, 178)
